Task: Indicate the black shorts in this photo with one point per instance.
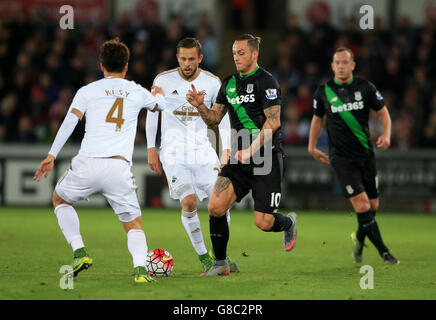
(356, 176)
(266, 188)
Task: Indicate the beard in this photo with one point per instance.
(194, 71)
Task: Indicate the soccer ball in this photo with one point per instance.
(159, 263)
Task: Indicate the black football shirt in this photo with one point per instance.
(246, 98)
(347, 107)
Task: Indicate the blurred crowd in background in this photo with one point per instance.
(42, 66)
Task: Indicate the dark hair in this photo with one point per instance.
(342, 49)
(252, 41)
(114, 55)
(189, 43)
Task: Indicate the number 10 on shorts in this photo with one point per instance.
(275, 199)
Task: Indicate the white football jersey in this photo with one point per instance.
(111, 107)
(181, 123)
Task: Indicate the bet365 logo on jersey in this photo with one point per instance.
(241, 99)
(358, 105)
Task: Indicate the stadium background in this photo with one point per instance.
(42, 66)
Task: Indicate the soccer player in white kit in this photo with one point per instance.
(111, 106)
(190, 163)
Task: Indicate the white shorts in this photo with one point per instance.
(191, 178)
(110, 177)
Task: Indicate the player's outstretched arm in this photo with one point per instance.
(315, 131)
(45, 166)
(213, 116)
(65, 131)
(153, 160)
(384, 141)
(151, 125)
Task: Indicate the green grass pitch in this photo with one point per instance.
(32, 250)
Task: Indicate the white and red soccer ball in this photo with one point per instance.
(159, 263)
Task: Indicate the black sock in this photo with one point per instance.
(370, 227)
(281, 223)
(360, 235)
(362, 219)
(219, 235)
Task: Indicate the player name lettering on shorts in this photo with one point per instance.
(357, 105)
(117, 93)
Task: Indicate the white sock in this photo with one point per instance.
(137, 245)
(70, 226)
(191, 222)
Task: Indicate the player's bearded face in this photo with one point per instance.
(343, 66)
(243, 56)
(189, 60)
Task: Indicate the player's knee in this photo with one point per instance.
(189, 203)
(216, 209)
(134, 224)
(56, 200)
(361, 202)
(362, 206)
(263, 225)
(374, 205)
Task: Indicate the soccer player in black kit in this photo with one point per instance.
(252, 98)
(345, 102)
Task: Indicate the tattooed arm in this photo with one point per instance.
(270, 126)
(213, 116)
